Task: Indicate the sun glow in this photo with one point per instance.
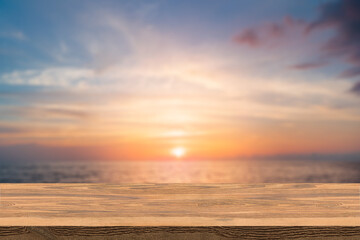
(178, 152)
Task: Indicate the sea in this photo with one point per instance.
(234, 171)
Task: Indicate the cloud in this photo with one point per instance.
(351, 72)
(341, 16)
(139, 81)
(10, 130)
(249, 37)
(356, 88)
(268, 32)
(308, 65)
(344, 17)
(17, 35)
(58, 76)
(67, 113)
(34, 152)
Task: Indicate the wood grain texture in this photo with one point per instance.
(190, 233)
(179, 205)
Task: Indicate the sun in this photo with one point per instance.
(178, 152)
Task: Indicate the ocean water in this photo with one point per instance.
(254, 171)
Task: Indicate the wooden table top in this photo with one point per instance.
(180, 205)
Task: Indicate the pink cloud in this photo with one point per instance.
(308, 65)
(343, 16)
(249, 37)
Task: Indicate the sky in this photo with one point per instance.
(209, 79)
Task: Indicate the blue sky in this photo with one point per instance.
(32, 29)
(162, 74)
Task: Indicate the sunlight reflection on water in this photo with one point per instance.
(183, 172)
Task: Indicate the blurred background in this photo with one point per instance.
(180, 91)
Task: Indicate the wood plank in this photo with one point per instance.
(180, 211)
(180, 205)
(190, 233)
